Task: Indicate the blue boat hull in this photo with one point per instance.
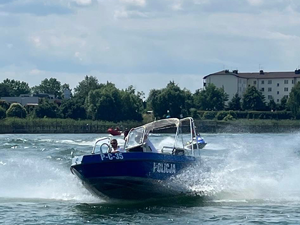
(130, 176)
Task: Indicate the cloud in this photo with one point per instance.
(83, 2)
(155, 40)
(134, 2)
(255, 2)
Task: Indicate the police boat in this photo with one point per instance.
(152, 156)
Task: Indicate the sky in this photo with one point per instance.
(145, 43)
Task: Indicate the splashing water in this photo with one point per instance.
(232, 167)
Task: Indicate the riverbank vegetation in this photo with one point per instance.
(92, 104)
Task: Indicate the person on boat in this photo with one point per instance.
(149, 147)
(115, 147)
(125, 134)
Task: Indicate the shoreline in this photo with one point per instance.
(50, 126)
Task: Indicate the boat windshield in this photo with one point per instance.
(158, 135)
(135, 137)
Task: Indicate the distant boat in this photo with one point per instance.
(142, 171)
(114, 132)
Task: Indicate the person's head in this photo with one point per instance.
(126, 133)
(114, 143)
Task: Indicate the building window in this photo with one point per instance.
(277, 84)
(286, 81)
(286, 89)
(269, 89)
(262, 89)
(270, 97)
(278, 92)
(292, 81)
(286, 96)
(262, 82)
(277, 100)
(254, 82)
(269, 81)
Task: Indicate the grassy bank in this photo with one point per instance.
(46, 125)
(15, 125)
(248, 126)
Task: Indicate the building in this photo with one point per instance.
(23, 100)
(273, 85)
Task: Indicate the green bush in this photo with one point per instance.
(233, 114)
(16, 110)
(4, 104)
(221, 115)
(2, 113)
(209, 115)
(194, 113)
(228, 117)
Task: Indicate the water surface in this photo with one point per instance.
(243, 179)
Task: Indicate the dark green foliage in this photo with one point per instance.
(110, 104)
(73, 108)
(272, 105)
(194, 113)
(230, 115)
(209, 115)
(132, 104)
(235, 103)
(104, 103)
(283, 103)
(49, 86)
(170, 100)
(221, 114)
(46, 109)
(4, 90)
(294, 101)
(4, 104)
(211, 98)
(13, 88)
(253, 100)
(89, 83)
(241, 114)
(2, 113)
(16, 110)
(228, 118)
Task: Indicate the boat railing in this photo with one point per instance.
(102, 146)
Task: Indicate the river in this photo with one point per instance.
(244, 179)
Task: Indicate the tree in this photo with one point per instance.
(211, 98)
(294, 100)
(235, 103)
(2, 113)
(4, 90)
(16, 110)
(272, 105)
(253, 100)
(104, 103)
(49, 86)
(89, 83)
(170, 99)
(73, 108)
(46, 109)
(132, 104)
(283, 103)
(13, 88)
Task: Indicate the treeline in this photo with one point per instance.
(103, 101)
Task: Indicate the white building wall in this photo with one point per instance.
(273, 88)
(228, 82)
(22, 100)
(270, 88)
